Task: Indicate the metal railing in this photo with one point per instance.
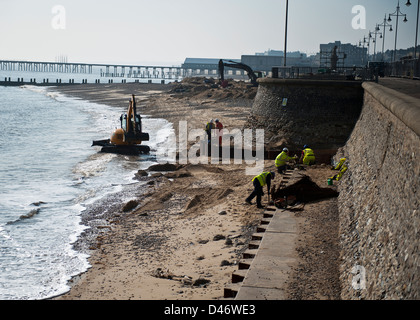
(322, 73)
(407, 68)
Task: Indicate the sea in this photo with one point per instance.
(49, 175)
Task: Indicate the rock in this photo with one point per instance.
(222, 213)
(200, 282)
(218, 237)
(187, 281)
(225, 263)
(228, 242)
(37, 204)
(165, 167)
(130, 205)
(142, 173)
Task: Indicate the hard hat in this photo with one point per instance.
(273, 174)
(217, 120)
(285, 150)
(211, 121)
(305, 146)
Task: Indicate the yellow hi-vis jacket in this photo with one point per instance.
(209, 126)
(281, 159)
(262, 178)
(308, 152)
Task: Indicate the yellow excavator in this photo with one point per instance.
(128, 138)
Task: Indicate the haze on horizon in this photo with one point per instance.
(168, 31)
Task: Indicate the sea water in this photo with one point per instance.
(49, 174)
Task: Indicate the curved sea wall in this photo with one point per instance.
(379, 199)
(320, 113)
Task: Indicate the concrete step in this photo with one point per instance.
(268, 215)
(265, 221)
(250, 253)
(231, 290)
(257, 236)
(244, 263)
(254, 244)
(239, 275)
(262, 228)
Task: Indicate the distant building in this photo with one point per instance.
(203, 66)
(262, 63)
(203, 63)
(294, 54)
(293, 59)
(349, 55)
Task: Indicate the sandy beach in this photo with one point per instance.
(183, 237)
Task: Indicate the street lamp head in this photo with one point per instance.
(408, 3)
(390, 28)
(405, 19)
(389, 18)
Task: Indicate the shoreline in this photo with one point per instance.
(116, 94)
(184, 238)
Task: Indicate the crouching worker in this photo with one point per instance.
(308, 156)
(259, 182)
(282, 159)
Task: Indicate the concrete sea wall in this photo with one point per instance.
(379, 199)
(320, 113)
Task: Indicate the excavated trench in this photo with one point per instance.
(304, 190)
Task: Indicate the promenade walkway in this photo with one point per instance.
(406, 86)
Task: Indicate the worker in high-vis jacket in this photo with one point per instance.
(263, 179)
(308, 156)
(209, 127)
(282, 159)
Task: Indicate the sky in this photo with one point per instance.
(168, 31)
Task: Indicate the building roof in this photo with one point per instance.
(206, 60)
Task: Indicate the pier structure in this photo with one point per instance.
(105, 70)
(148, 72)
(37, 66)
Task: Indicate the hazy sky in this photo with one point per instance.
(168, 31)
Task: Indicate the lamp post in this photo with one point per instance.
(285, 33)
(417, 26)
(363, 49)
(374, 40)
(368, 39)
(397, 14)
(385, 24)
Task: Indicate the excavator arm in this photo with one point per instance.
(237, 65)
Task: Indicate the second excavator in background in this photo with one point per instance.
(237, 65)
